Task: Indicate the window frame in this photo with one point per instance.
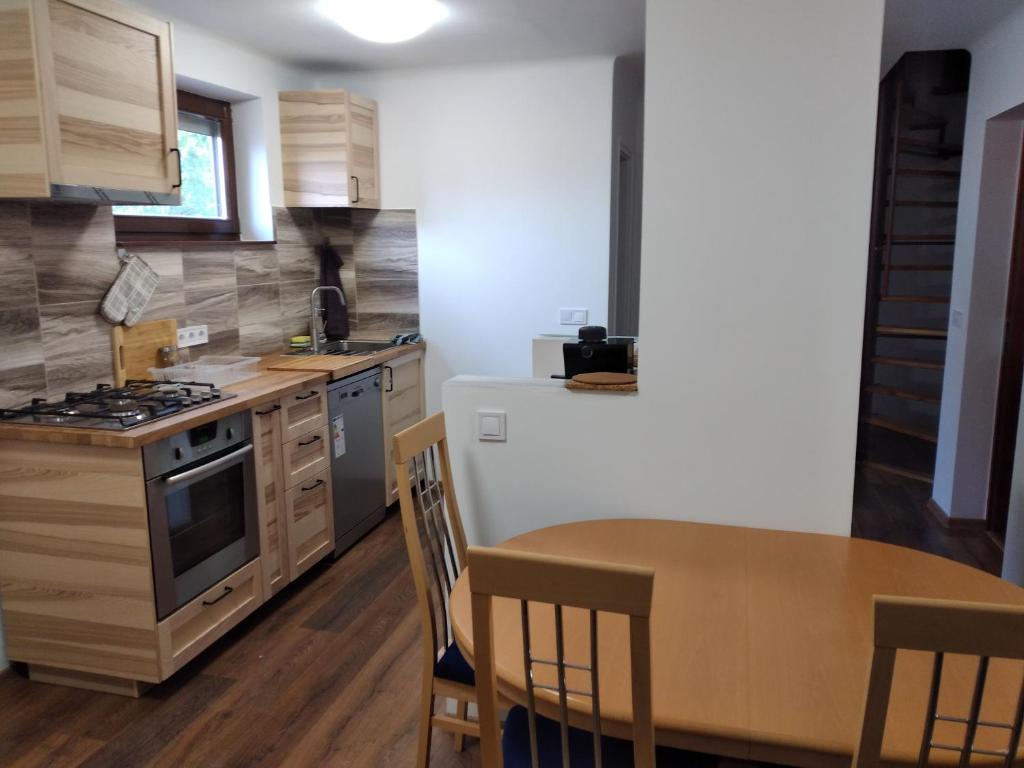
(148, 229)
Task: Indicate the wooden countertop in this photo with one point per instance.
(280, 375)
(340, 366)
(761, 641)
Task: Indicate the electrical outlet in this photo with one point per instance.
(572, 317)
(193, 335)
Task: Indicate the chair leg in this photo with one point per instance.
(461, 711)
(426, 713)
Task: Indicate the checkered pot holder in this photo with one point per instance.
(130, 292)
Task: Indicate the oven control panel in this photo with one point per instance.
(193, 445)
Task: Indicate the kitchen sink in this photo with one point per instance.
(346, 348)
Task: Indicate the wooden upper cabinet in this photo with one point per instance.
(330, 150)
(87, 102)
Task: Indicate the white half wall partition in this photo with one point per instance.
(759, 138)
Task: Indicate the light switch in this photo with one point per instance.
(491, 425)
(572, 316)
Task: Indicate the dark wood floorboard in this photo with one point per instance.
(894, 510)
(326, 674)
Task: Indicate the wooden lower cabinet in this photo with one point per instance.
(303, 411)
(404, 405)
(192, 628)
(310, 513)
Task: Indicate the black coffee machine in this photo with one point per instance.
(596, 353)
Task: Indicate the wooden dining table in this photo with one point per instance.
(761, 641)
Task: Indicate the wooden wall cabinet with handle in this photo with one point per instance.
(330, 149)
(88, 109)
(404, 405)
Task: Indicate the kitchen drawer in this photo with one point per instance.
(310, 514)
(405, 407)
(303, 412)
(193, 628)
(403, 373)
(306, 456)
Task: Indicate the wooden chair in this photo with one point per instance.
(561, 582)
(940, 627)
(437, 554)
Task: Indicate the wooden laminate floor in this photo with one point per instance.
(326, 674)
(894, 510)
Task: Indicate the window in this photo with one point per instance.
(209, 208)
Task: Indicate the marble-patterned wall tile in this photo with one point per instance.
(216, 308)
(22, 346)
(208, 270)
(19, 386)
(381, 294)
(168, 301)
(260, 339)
(73, 225)
(295, 226)
(295, 308)
(259, 304)
(76, 343)
(221, 343)
(384, 325)
(254, 267)
(297, 262)
(74, 252)
(385, 243)
(17, 272)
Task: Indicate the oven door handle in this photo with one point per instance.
(206, 469)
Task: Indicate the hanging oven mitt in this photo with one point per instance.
(130, 292)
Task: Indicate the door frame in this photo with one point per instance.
(1011, 379)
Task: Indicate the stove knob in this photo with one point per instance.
(214, 392)
(179, 454)
(230, 433)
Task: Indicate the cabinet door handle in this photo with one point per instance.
(177, 151)
(391, 378)
(356, 180)
(274, 408)
(311, 440)
(227, 591)
(306, 397)
(314, 486)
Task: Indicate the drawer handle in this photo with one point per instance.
(314, 486)
(391, 378)
(227, 591)
(306, 397)
(272, 409)
(313, 439)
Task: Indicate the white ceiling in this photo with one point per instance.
(928, 25)
(476, 31)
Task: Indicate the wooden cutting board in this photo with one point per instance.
(603, 382)
(137, 349)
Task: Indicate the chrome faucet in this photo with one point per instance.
(316, 333)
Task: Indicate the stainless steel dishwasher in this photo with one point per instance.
(357, 456)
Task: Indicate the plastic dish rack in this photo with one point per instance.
(210, 369)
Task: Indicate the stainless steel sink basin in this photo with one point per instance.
(347, 348)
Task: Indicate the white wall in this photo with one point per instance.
(508, 169)
(219, 68)
(980, 271)
(752, 292)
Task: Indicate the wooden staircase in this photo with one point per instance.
(922, 102)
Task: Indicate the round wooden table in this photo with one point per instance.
(761, 640)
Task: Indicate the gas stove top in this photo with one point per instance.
(117, 408)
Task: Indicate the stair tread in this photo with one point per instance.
(926, 203)
(910, 430)
(902, 330)
(917, 299)
(946, 239)
(912, 146)
(908, 362)
(903, 394)
(920, 267)
(927, 172)
(892, 469)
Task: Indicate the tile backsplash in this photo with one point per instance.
(57, 261)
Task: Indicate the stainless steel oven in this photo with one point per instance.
(203, 525)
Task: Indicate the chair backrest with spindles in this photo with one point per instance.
(560, 582)
(941, 627)
(433, 529)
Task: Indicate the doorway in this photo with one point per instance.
(1011, 378)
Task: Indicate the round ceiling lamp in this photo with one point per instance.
(384, 21)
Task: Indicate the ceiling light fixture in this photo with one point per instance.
(384, 21)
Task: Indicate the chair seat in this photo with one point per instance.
(453, 666)
(515, 747)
